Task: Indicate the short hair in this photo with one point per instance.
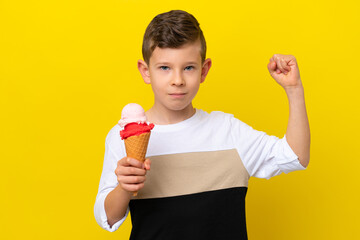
(172, 29)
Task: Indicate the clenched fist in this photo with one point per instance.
(284, 69)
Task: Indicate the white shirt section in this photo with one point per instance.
(263, 156)
(108, 180)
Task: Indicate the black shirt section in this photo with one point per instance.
(209, 215)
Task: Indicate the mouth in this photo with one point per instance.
(177, 95)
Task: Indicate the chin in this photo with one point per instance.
(178, 107)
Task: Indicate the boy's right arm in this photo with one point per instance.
(130, 175)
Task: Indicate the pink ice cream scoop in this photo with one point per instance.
(132, 113)
(133, 121)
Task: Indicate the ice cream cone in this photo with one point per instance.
(136, 146)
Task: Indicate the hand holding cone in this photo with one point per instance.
(136, 132)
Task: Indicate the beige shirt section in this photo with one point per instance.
(194, 172)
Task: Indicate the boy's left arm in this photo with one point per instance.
(284, 69)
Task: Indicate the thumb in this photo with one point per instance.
(273, 70)
(272, 66)
(147, 164)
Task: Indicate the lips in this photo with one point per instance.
(177, 95)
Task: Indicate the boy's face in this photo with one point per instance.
(175, 75)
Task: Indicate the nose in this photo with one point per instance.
(178, 80)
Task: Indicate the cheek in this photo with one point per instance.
(194, 86)
(156, 87)
(160, 78)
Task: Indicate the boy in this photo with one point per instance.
(200, 162)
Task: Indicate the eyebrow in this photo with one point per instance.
(167, 63)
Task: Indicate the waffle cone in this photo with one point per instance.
(136, 146)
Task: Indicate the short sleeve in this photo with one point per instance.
(108, 182)
(264, 156)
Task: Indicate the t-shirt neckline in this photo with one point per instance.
(180, 125)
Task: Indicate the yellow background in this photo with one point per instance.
(68, 67)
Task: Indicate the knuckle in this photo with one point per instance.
(119, 179)
(137, 179)
(132, 170)
(132, 179)
(121, 161)
(118, 171)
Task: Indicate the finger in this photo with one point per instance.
(284, 59)
(132, 187)
(280, 59)
(130, 171)
(131, 179)
(134, 162)
(122, 162)
(285, 65)
(279, 65)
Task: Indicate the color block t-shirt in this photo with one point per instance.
(199, 175)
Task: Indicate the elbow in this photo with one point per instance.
(304, 162)
(305, 165)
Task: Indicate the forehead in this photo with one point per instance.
(189, 52)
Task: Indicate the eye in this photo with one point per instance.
(164, 67)
(189, 67)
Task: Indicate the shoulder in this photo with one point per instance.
(221, 121)
(216, 115)
(227, 121)
(222, 117)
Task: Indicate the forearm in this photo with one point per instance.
(116, 203)
(298, 130)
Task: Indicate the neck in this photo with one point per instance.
(160, 116)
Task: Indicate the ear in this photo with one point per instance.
(205, 69)
(144, 71)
